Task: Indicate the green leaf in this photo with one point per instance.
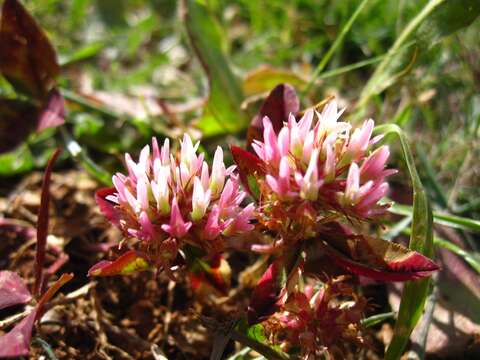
(254, 337)
(84, 53)
(257, 333)
(223, 110)
(421, 239)
(265, 78)
(453, 15)
(17, 161)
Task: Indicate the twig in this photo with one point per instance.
(15, 318)
(66, 299)
(74, 295)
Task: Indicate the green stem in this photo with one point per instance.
(78, 154)
(338, 41)
(262, 349)
(89, 104)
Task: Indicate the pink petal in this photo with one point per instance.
(212, 228)
(372, 167)
(155, 149)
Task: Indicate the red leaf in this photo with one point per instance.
(42, 224)
(18, 120)
(281, 101)
(375, 258)
(263, 301)
(12, 290)
(27, 59)
(249, 167)
(107, 207)
(17, 341)
(53, 113)
(126, 264)
(211, 274)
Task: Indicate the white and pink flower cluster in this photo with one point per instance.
(320, 159)
(166, 197)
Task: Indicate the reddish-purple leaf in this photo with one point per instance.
(375, 258)
(263, 301)
(206, 275)
(17, 120)
(53, 113)
(42, 224)
(17, 341)
(281, 101)
(12, 290)
(27, 59)
(267, 295)
(250, 167)
(107, 207)
(126, 264)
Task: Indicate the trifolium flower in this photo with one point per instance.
(168, 200)
(321, 161)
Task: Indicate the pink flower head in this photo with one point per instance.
(177, 197)
(322, 321)
(317, 158)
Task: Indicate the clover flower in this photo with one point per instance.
(167, 200)
(320, 160)
(320, 321)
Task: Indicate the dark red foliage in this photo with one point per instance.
(18, 120)
(249, 166)
(281, 101)
(27, 59)
(17, 342)
(12, 290)
(106, 207)
(374, 257)
(53, 113)
(42, 224)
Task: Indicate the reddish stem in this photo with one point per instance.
(42, 225)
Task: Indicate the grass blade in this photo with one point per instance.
(421, 240)
(453, 221)
(471, 260)
(377, 319)
(438, 18)
(383, 74)
(338, 41)
(88, 164)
